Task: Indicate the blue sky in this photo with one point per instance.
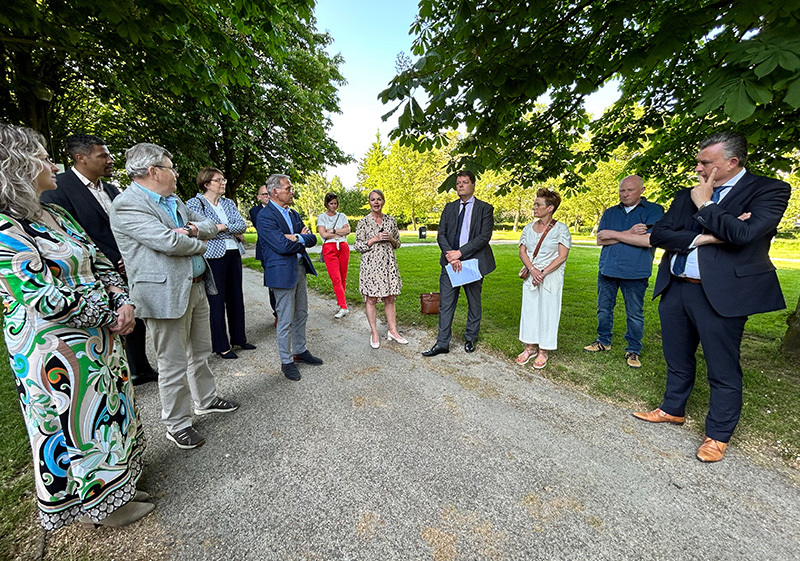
(369, 34)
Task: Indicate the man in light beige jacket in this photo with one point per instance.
(161, 242)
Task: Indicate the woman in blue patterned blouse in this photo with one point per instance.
(224, 255)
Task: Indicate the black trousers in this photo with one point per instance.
(227, 302)
(448, 299)
(135, 348)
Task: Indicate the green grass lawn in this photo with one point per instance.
(16, 476)
(770, 421)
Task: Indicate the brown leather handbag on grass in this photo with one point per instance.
(429, 302)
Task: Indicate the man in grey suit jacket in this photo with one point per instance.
(88, 199)
(162, 244)
(465, 229)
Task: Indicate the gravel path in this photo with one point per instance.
(385, 455)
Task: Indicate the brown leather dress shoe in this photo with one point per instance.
(711, 450)
(658, 416)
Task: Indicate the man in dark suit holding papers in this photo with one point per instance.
(465, 229)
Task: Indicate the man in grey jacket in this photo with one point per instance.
(161, 242)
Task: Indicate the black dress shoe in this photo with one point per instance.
(436, 349)
(307, 357)
(291, 371)
(247, 347)
(469, 346)
(228, 354)
(140, 379)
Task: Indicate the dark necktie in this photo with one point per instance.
(679, 266)
(457, 243)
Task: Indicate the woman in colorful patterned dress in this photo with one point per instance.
(377, 237)
(65, 307)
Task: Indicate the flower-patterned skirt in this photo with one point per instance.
(83, 426)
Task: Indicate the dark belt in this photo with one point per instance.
(198, 279)
(687, 279)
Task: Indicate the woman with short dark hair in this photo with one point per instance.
(543, 250)
(224, 255)
(333, 228)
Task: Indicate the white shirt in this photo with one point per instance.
(328, 222)
(96, 190)
(230, 243)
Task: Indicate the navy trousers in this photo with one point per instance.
(228, 301)
(687, 319)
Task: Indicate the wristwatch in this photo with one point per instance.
(705, 204)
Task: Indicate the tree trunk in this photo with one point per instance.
(791, 340)
(33, 99)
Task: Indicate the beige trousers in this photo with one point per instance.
(183, 346)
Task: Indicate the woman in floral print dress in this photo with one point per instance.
(377, 237)
(64, 309)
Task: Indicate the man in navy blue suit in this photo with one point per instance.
(715, 272)
(282, 240)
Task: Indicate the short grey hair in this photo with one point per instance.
(139, 158)
(20, 164)
(274, 182)
(633, 179)
(734, 145)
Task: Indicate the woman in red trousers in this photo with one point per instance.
(333, 228)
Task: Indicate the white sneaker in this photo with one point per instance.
(341, 313)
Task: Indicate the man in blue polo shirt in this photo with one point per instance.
(626, 262)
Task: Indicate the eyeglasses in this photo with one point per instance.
(289, 188)
(173, 168)
(220, 180)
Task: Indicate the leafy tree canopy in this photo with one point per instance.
(687, 68)
(245, 86)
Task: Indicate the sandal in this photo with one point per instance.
(539, 364)
(525, 356)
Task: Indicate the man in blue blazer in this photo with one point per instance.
(465, 230)
(283, 239)
(83, 194)
(715, 272)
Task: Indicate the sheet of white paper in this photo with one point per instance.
(469, 273)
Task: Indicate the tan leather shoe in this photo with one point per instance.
(711, 450)
(658, 416)
(633, 360)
